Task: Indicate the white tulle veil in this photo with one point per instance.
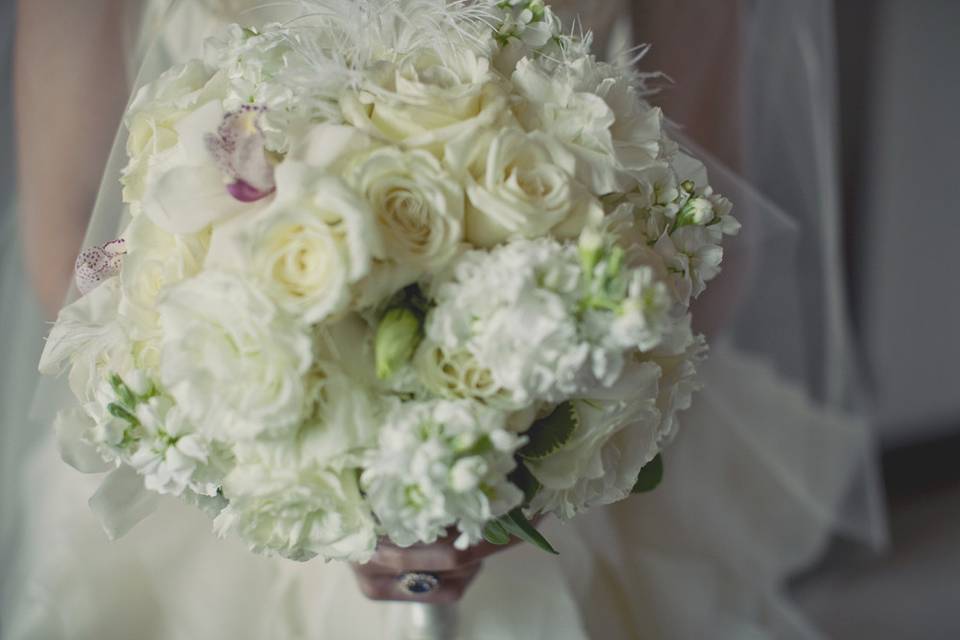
(721, 517)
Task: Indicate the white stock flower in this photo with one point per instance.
(232, 361)
(255, 65)
(520, 185)
(170, 455)
(441, 463)
(693, 255)
(417, 204)
(282, 504)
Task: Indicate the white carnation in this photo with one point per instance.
(153, 116)
(154, 261)
(618, 433)
(231, 360)
(528, 315)
(593, 109)
(283, 504)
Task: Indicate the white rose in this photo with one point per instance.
(281, 504)
(417, 204)
(155, 260)
(230, 359)
(425, 101)
(308, 248)
(457, 375)
(521, 185)
(619, 432)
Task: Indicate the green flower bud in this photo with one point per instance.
(398, 336)
(591, 249)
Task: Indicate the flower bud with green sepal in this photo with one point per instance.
(399, 333)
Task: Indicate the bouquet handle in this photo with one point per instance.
(431, 622)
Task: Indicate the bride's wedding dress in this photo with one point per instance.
(754, 485)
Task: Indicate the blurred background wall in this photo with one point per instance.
(900, 102)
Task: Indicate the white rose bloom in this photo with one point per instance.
(231, 360)
(619, 432)
(427, 98)
(417, 204)
(591, 108)
(441, 463)
(457, 375)
(520, 185)
(170, 455)
(154, 261)
(282, 504)
(317, 240)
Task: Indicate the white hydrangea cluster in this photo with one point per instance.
(395, 268)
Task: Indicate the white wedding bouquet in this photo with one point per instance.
(396, 268)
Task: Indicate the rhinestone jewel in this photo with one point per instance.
(418, 583)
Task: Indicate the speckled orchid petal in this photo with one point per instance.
(239, 151)
(96, 264)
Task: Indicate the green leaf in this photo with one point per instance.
(549, 434)
(650, 476)
(517, 524)
(494, 533)
(525, 481)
